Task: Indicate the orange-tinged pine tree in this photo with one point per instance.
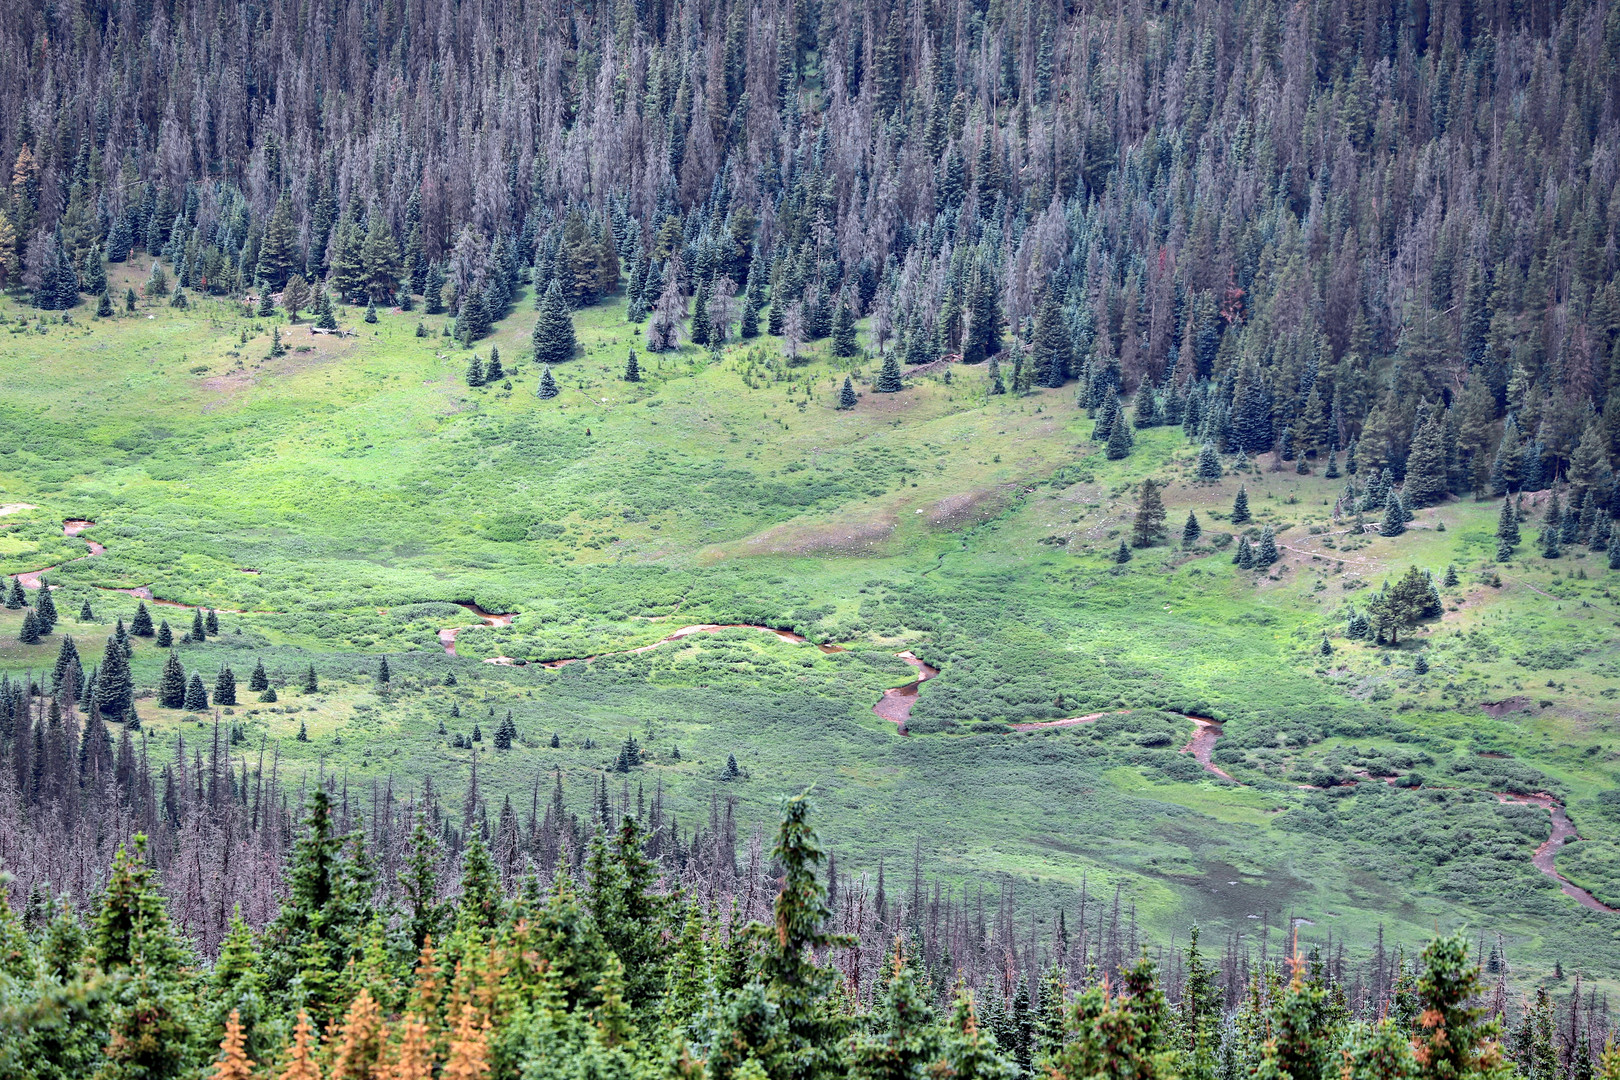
(359, 1045)
(469, 1051)
(301, 1064)
(414, 1060)
(234, 1063)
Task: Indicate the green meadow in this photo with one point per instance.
(342, 501)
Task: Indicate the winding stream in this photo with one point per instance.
(447, 636)
(1563, 831)
(895, 705)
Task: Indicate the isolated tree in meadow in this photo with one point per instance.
(1243, 558)
(171, 690)
(632, 369)
(493, 370)
(225, 686)
(1122, 554)
(165, 636)
(45, 608)
(1551, 529)
(211, 621)
(1240, 506)
(1191, 531)
(371, 311)
(1507, 526)
(16, 598)
(994, 377)
(384, 673)
(843, 331)
(104, 306)
(553, 336)
(325, 318)
(1209, 463)
(1148, 528)
(129, 300)
(258, 680)
(548, 385)
(141, 624)
(311, 683)
(1401, 605)
(85, 614)
(889, 381)
(29, 632)
(846, 396)
(267, 301)
(475, 372)
(199, 629)
(196, 694)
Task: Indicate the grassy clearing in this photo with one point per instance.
(347, 496)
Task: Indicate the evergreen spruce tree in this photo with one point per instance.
(475, 371)
(1266, 552)
(141, 624)
(1240, 506)
(1451, 580)
(211, 622)
(701, 328)
(115, 689)
(258, 680)
(165, 636)
(85, 614)
(1614, 545)
(553, 336)
(843, 331)
(846, 396)
(312, 684)
(171, 691)
(225, 686)
(1394, 523)
(1332, 471)
(199, 629)
(1507, 526)
(1120, 440)
(1191, 531)
(104, 307)
(45, 608)
(996, 386)
(888, 381)
(129, 300)
(548, 385)
(1209, 463)
(632, 369)
(29, 633)
(1552, 529)
(371, 311)
(384, 673)
(325, 318)
(16, 599)
(1148, 527)
(1122, 554)
(493, 371)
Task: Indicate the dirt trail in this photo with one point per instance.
(895, 705)
(1071, 721)
(447, 636)
(1563, 831)
(72, 527)
(1202, 746)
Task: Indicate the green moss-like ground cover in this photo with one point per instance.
(346, 497)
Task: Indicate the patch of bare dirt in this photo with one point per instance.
(970, 507)
(1514, 704)
(848, 537)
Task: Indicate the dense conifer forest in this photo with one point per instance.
(462, 462)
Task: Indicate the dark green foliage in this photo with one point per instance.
(1552, 529)
(104, 307)
(1148, 527)
(371, 311)
(731, 771)
(384, 673)
(1122, 554)
(1451, 580)
(548, 385)
(475, 372)
(171, 690)
(1120, 440)
(1394, 522)
(1265, 552)
(843, 331)
(85, 613)
(1191, 531)
(199, 628)
(45, 608)
(1243, 558)
(1614, 546)
(258, 680)
(311, 685)
(225, 686)
(505, 732)
(16, 598)
(1209, 463)
(994, 376)
(29, 634)
(141, 624)
(553, 337)
(493, 370)
(632, 372)
(889, 381)
(1240, 506)
(196, 694)
(846, 396)
(115, 689)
